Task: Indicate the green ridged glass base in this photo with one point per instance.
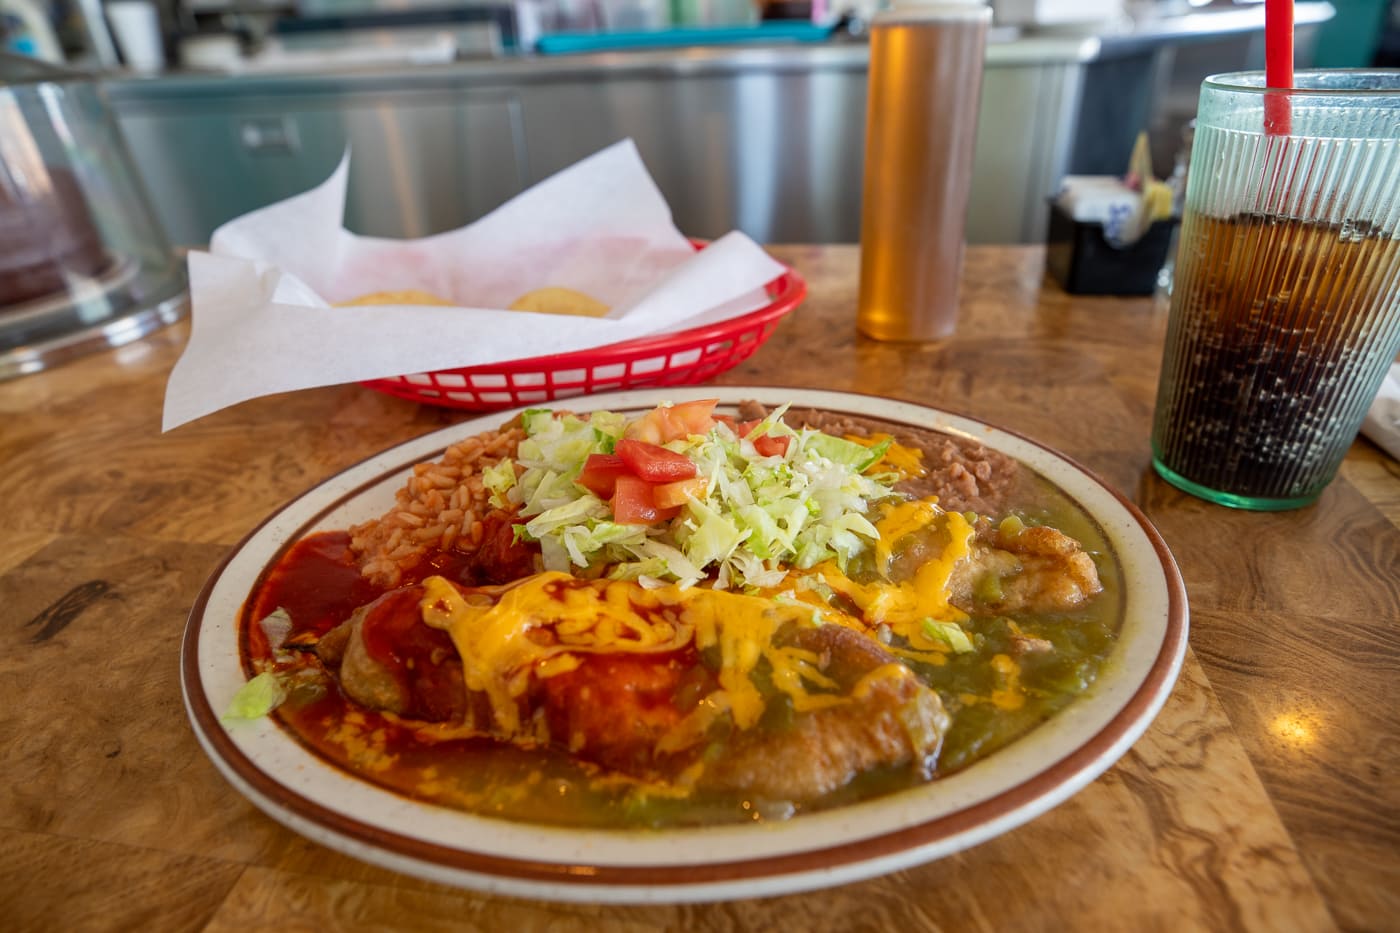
(1233, 500)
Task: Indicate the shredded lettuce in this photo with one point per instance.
(950, 634)
(276, 626)
(757, 514)
(499, 479)
(839, 450)
(676, 565)
(713, 534)
(582, 540)
(256, 698)
(607, 428)
(567, 515)
(534, 419)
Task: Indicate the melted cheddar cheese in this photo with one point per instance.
(906, 461)
(542, 625)
(904, 606)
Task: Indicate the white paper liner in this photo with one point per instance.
(263, 315)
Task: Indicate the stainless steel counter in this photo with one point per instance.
(768, 140)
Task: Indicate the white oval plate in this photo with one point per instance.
(1013, 785)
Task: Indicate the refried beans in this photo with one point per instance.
(963, 474)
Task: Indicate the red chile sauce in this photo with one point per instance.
(316, 582)
(319, 585)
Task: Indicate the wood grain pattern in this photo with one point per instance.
(1262, 798)
(1377, 476)
(17, 546)
(56, 883)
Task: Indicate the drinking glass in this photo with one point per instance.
(1285, 312)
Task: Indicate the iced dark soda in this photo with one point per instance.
(1286, 299)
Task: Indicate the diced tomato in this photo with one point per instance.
(654, 463)
(769, 446)
(666, 423)
(671, 495)
(766, 445)
(693, 417)
(634, 503)
(600, 473)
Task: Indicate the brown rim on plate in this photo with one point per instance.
(1057, 782)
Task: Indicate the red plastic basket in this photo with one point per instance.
(686, 357)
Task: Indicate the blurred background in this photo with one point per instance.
(750, 115)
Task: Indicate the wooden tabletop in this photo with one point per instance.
(1264, 797)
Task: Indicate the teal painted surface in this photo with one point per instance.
(680, 36)
(1350, 38)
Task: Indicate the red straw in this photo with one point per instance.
(1278, 64)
